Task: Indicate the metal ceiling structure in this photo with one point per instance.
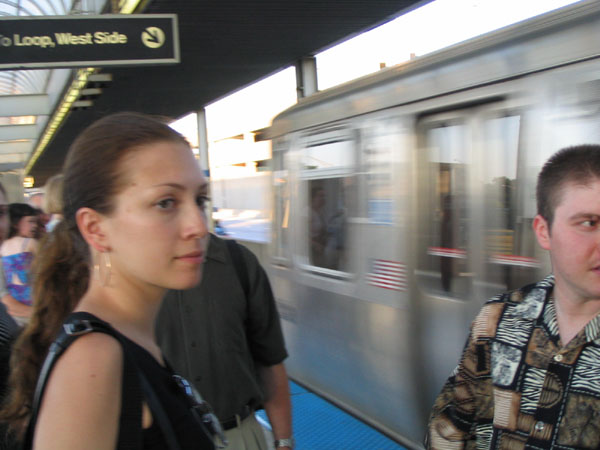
(225, 45)
(25, 95)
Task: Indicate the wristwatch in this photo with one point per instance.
(289, 442)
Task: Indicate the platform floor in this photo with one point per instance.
(319, 425)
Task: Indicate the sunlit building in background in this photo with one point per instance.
(239, 165)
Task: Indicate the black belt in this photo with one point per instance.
(237, 418)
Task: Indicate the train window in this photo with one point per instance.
(329, 157)
(281, 190)
(446, 260)
(509, 253)
(329, 180)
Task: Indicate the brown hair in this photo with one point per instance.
(579, 165)
(92, 178)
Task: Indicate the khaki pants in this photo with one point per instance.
(248, 435)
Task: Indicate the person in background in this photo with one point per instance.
(224, 335)
(9, 329)
(17, 255)
(53, 200)
(36, 200)
(134, 225)
(42, 220)
(528, 376)
(23, 220)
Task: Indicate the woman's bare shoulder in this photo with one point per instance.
(83, 394)
(95, 358)
(17, 244)
(92, 347)
(11, 246)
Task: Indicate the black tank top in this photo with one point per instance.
(189, 432)
(176, 405)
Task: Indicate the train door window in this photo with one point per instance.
(474, 225)
(499, 208)
(328, 177)
(281, 207)
(447, 228)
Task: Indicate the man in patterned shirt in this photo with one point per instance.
(529, 377)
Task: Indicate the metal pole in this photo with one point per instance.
(204, 160)
(306, 76)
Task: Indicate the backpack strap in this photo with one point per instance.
(239, 263)
(73, 328)
(130, 433)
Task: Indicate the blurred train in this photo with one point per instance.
(404, 199)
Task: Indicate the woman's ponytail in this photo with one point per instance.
(60, 276)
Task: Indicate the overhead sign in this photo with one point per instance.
(88, 41)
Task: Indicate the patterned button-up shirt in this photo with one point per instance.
(515, 386)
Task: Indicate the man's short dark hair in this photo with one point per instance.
(579, 165)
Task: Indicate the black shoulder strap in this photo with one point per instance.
(72, 329)
(240, 265)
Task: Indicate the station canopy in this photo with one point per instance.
(24, 100)
(225, 45)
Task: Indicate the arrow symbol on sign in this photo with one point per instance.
(153, 37)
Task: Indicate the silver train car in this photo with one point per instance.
(404, 199)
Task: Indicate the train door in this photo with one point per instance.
(474, 237)
(328, 323)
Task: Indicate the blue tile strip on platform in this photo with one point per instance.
(319, 425)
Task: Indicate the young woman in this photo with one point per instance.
(134, 225)
(17, 255)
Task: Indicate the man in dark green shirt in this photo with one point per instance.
(226, 339)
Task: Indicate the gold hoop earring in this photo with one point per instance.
(104, 280)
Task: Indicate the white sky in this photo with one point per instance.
(434, 26)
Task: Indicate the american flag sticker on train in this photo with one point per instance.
(387, 274)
